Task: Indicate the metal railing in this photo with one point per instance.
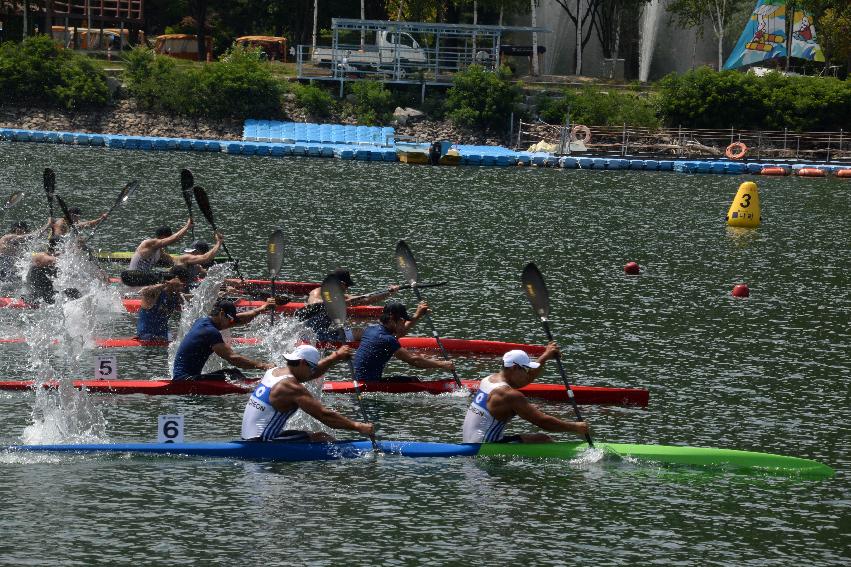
(685, 143)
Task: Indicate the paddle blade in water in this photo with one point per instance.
(275, 253)
(13, 199)
(204, 204)
(536, 290)
(334, 299)
(405, 261)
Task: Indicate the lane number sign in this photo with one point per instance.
(106, 367)
(170, 429)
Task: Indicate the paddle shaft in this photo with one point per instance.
(436, 337)
(358, 395)
(561, 371)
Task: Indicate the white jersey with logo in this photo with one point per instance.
(139, 262)
(261, 420)
(479, 425)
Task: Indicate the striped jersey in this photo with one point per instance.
(260, 420)
(479, 425)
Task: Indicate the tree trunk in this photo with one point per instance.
(315, 19)
(578, 39)
(720, 50)
(200, 18)
(535, 68)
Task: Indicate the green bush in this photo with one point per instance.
(483, 99)
(38, 71)
(706, 99)
(373, 103)
(315, 100)
(593, 106)
(240, 85)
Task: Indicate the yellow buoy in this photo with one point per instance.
(744, 210)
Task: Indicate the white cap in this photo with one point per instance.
(518, 358)
(306, 353)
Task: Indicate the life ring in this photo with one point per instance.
(736, 150)
(586, 133)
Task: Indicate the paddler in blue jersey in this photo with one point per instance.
(205, 338)
(379, 343)
(281, 393)
(498, 400)
(159, 302)
(314, 316)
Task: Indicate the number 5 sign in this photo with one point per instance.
(170, 429)
(106, 367)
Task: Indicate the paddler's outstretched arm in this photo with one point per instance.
(341, 354)
(550, 353)
(422, 309)
(369, 298)
(419, 361)
(91, 223)
(225, 351)
(298, 394)
(528, 411)
(157, 243)
(246, 316)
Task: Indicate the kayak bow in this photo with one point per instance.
(698, 457)
(553, 392)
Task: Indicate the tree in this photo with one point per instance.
(584, 21)
(610, 15)
(692, 13)
(833, 25)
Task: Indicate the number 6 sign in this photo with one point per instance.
(170, 429)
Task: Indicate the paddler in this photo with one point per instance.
(314, 316)
(150, 251)
(281, 393)
(10, 246)
(205, 338)
(42, 272)
(379, 343)
(198, 257)
(60, 225)
(498, 400)
(159, 302)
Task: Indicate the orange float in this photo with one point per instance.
(810, 172)
(773, 171)
(844, 173)
(736, 150)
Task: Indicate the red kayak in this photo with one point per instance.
(293, 288)
(552, 392)
(133, 306)
(454, 346)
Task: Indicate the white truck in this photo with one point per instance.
(381, 55)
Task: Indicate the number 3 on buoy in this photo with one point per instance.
(170, 429)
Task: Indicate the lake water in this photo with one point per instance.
(769, 373)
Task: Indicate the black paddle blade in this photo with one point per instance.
(334, 299)
(128, 190)
(187, 180)
(204, 204)
(536, 290)
(275, 253)
(13, 199)
(65, 212)
(405, 261)
(49, 182)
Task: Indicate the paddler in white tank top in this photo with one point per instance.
(150, 251)
(498, 400)
(280, 394)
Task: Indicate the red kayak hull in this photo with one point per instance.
(133, 306)
(454, 346)
(553, 392)
(293, 288)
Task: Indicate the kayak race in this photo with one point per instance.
(438, 282)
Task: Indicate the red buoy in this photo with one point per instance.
(632, 269)
(741, 290)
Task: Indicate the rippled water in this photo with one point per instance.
(769, 373)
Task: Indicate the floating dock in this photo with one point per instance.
(367, 143)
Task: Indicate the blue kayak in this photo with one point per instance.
(701, 457)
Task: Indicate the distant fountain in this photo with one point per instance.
(647, 41)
